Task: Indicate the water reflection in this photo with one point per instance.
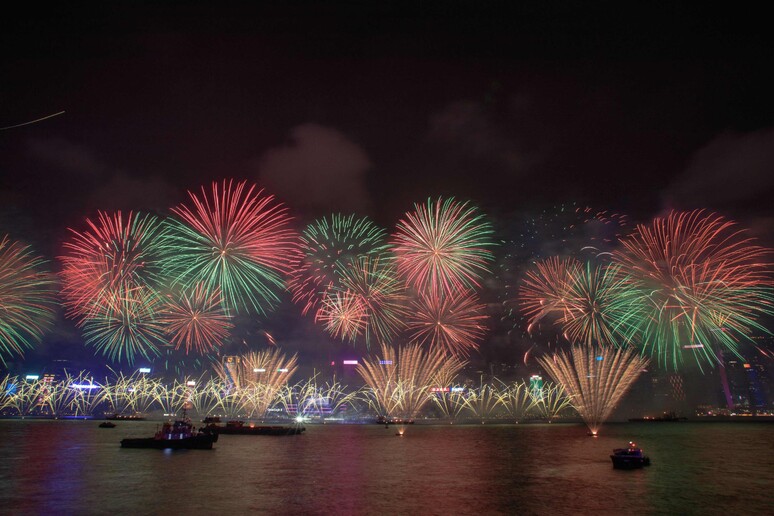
(74, 467)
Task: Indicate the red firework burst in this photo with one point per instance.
(196, 320)
(454, 322)
(343, 315)
(443, 246)
(546, 288)
(701, 283)
(117, 253)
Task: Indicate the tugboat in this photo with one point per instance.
(240, 428)
(178, 435)
(629, 458)
(107, 424)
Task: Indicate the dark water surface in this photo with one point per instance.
(74, 467)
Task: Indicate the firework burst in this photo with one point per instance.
(454, 322)
(702, 285)
(116, 253)
(343, 315)
(443, 245)
(233, 238)
(126, 325)
(598, 307)
(546, 288)
(26, 298)
(328, 245)
(380, 294)
(196, 320)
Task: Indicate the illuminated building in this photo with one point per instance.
(668, 391)
(758, 383)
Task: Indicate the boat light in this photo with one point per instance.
(32, 377)
(145, 370)
(349, 362)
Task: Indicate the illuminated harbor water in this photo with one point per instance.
(73, 467)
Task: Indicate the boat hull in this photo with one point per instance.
(197, 442)
(623, 462)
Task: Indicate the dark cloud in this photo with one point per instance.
(320, 170)
(470, 129)
(66, 155)
(125, 192)
(106, 187)
(732, 167)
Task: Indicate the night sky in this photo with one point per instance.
(339, 107)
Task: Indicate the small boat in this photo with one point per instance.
(629, 458)
(107, 424)
(178, 435)
(240, 428)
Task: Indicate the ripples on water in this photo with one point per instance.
(73, 467)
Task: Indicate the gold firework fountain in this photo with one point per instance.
(595, 377)
(400, 380)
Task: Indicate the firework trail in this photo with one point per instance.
(32, 121)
